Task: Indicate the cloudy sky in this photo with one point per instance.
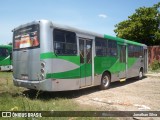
(94, 15)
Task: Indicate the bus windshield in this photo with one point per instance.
(27, 37)
(3, 52)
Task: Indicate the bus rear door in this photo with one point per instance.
(145, 60)
(85, 51)
(123, 62)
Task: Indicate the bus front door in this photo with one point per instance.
(85, 52)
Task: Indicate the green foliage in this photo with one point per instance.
(155, 65)
(142, 26)
(10, 43)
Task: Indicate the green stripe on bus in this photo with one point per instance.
(64, 75)
(72, 73)
(5, 61)
(47, 55)
(122, 40)
(111, 64)
(106, 63)
(131, 62)
(50, 55)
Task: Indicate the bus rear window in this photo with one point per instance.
(27, 37)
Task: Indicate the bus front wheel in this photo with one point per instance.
(105, 81)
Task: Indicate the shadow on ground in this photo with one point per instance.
(33, 94)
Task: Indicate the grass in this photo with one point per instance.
(154, 66)
(150, 70)
(13, 98)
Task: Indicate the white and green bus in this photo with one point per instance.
(52, 57)
(5, 57)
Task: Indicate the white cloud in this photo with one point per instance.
(102, 16)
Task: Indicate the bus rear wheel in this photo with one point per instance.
(105, 81)
(140, 75)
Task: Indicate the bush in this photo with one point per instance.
(155, 65)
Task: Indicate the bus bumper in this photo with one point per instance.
(44, 85)
(49, 84)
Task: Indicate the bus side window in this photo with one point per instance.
(141, 51)
(130, 51)
(112, 48)
(64, 42)
(135, 51)
(101, 46)
(4, 52)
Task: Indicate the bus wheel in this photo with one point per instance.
(140, 75)
(105, 81)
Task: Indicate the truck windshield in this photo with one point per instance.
(27, 37)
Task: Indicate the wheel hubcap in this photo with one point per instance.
(140, 74)
(105, 81)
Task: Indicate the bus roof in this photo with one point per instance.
(65, 27)
(69, 28)
(123, 40)
(6, 46)
(9, 47)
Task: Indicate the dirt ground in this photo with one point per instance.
(131, 95)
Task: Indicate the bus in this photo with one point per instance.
(5, 57)
(52, 57)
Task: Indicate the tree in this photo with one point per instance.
(10, 43)
(142, 26)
